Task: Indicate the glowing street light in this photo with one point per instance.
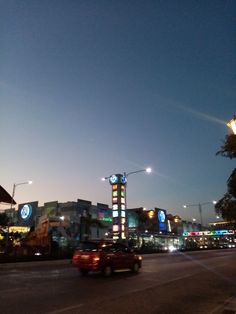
(199, 205)
(12, 197)
(148, 170)
(232, 125)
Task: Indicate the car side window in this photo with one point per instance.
(109, 248)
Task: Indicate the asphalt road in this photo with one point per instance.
(193, 282)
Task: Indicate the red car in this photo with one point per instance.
(105, 257)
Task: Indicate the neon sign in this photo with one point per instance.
(208, 233)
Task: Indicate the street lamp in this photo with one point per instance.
(199, 205)
(119, 202)
(12, 197)
(148, 170)
(232, 124)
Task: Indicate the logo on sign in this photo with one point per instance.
(26, 211)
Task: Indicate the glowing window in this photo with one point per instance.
(123, 207)
(122, 213)
(114, 193)
(115, 213)
(115, 228)
(115, 206)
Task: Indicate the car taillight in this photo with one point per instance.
(96, 258)
(76, 256)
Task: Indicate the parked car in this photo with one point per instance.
(106, 257)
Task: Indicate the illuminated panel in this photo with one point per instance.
(122, 227)
(123, 220)
(122, 193)
(151, 214)
(115, 206)
(122, 187)
(123, 235)
(208, 233)
(123, 207)
(114, 187)
(114, 199)
(122, 200)
(115, 228)
(115, 213)
(107, 219)
(114, 193)
(122, 213)
(19, 229)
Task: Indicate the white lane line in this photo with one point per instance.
(65, 309)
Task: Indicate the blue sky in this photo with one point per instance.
(92, 88)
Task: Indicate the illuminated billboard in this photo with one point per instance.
(162, 219)
(26, 214)
(50, 208)
(104, 212)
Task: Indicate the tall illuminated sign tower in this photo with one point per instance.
(119, 226)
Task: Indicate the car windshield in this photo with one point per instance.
(88, 247)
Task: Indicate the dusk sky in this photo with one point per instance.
(92, 88)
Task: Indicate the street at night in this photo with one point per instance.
(188, 282)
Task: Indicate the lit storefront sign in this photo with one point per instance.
(208, 233)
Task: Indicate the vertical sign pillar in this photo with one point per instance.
(119, 225)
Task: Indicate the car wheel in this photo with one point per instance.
(135, 268)
(107, 271)
(83, 272)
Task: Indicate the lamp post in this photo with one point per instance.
(232, 125)
(119, 202)
(148, 170)
(12, 197)
(199, 205)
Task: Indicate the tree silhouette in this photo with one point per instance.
(4, 220)
(228, 149)
(226, 206)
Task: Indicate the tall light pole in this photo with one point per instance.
(119, 203)
(199, 205)
(232, 124)
(12, 197)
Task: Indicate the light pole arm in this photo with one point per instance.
(199, 204)
(132, 172)
(13, 194)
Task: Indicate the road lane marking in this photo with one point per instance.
(65, 309)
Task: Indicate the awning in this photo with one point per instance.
(5, 197)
